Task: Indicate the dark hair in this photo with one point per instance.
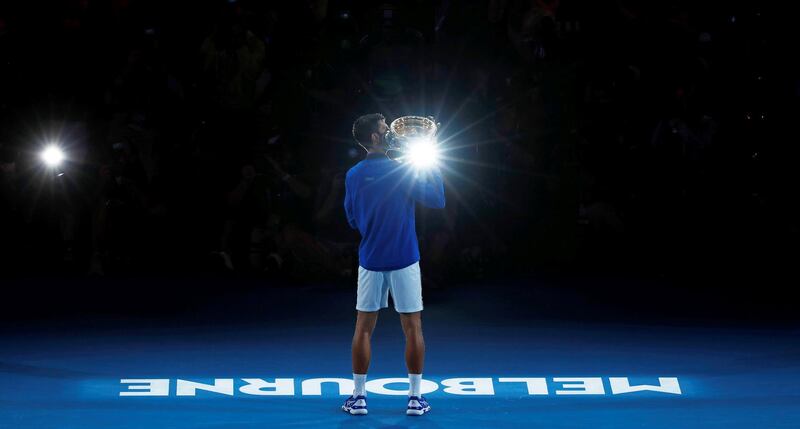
(364, 126)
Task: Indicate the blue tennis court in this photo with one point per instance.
(272, 357)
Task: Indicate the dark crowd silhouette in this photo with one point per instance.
(213, 137)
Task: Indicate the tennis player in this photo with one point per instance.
(380, 197)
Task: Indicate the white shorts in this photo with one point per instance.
(404, 284)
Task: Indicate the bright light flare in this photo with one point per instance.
(52, 155)
(422, 153)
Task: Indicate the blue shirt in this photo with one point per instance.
(380, 197)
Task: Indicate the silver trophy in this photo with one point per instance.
(413, 139)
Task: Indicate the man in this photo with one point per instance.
(380, 197)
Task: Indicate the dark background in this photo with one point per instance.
(630, 154)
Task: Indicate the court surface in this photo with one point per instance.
(67, 371)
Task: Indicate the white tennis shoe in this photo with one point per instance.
(355, 405)
(417, 406)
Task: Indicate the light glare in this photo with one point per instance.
(422, 153)
(52, 155)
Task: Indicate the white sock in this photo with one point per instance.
(359, 380)
(414, 380)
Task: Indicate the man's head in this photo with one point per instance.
(369, 131)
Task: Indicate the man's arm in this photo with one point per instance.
(427, 187)
(348, 203)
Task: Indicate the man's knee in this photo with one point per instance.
(363, 333)
(412, 324)
(365, 324)
(362, 339)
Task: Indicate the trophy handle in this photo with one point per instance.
(438, 124)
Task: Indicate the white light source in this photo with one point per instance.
(422, 153)
(52, 155)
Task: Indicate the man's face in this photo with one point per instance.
(380, 138)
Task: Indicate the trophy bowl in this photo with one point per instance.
(414, 139)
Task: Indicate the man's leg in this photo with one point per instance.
(415, 358)
(415, 343)
(368, 297)
(365, 325)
